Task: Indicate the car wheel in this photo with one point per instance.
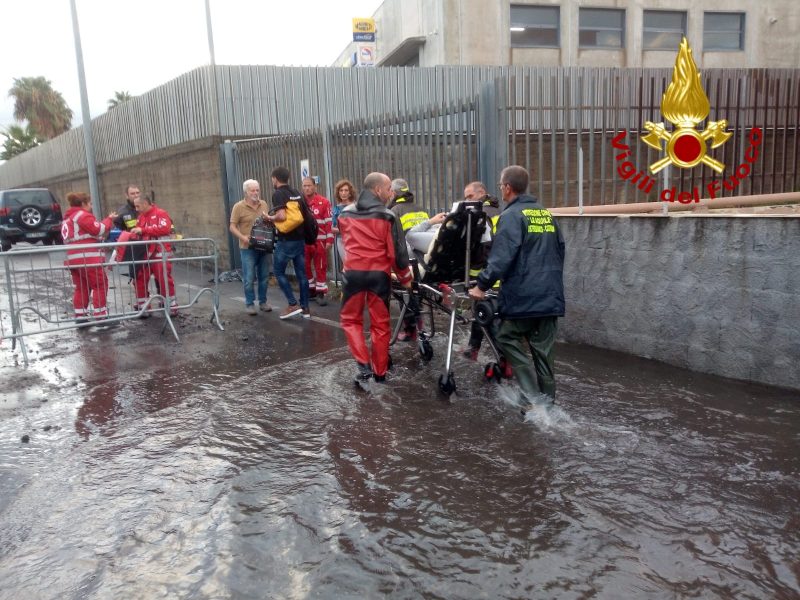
(5, 246)
(48, 241)
(30, 217)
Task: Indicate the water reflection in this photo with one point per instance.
(287, 482)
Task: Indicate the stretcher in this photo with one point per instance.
(440, 286)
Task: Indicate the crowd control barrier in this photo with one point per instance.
(37, 288)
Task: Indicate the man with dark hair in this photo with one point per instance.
(125, 221)
(289, 242)
(317, 253)
(374, 247)
(528, 258)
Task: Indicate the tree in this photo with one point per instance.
(18, 140)
(119, 98)
(37, 102)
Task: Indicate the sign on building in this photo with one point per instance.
(363, 30)
(365, 55)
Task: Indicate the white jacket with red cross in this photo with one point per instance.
(321, 207)
(155, 224)
(80, 227)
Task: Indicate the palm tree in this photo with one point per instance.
(18, 140)
(37, 102)
(119, 98)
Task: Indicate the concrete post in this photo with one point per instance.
(492, 133)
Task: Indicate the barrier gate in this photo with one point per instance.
(39, 288)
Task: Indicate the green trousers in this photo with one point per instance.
(527, 345)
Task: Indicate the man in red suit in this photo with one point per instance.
(317, 254)
(155, 224)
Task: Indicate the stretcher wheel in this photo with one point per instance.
(425, 350)
(492, 372)
(447, 384)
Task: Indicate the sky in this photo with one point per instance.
(136, 45)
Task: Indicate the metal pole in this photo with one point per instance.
(580, 180)
(210, 33)
(94, 189)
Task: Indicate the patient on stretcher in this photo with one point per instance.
(440, 243)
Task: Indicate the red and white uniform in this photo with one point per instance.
(156, 224)
(317, 254)
(80, 227)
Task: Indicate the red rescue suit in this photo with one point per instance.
(317, 253)
(374, 247)
(80, 227)
(156, 224)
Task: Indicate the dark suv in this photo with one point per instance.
(29, 215)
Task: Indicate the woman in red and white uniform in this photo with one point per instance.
(85, 264)
(154, 223)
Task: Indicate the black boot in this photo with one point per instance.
(363, 375)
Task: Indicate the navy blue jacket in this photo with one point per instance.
(528, 258)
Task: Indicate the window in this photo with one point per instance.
(723, 31)
(534, 26)
(663, 29)
(601, 28)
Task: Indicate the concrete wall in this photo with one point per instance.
(718, 295)
(476, 32)
(185, 180)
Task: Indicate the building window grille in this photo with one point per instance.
(723, 31)
(663, 29)
(534, 26)
(601, 28)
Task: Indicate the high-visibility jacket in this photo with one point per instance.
(156, 224)
(80, 227)
(320, 207)
(408, 213)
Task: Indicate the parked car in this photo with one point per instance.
(29, 215)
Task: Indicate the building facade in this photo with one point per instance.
(590, 33)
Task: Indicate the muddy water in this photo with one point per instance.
(220, 481)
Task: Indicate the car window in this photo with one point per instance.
(23, 197)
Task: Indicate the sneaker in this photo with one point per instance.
(173, 309)
(312, 292)
(471, 353)
(379, 378)
(264, 307)
(321, 300)
(290, 311)
(251, 310)
(363, 374)
(306, 313)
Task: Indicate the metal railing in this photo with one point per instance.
(38, 288)
(558, 122)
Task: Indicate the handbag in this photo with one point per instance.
(262, 236)
(294, 217)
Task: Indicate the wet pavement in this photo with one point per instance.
(244, 464)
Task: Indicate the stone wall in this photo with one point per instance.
(713, 294)
(185, 180)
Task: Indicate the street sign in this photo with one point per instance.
(363, 30)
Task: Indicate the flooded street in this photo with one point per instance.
(260, 472)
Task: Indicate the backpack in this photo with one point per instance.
(310, 227)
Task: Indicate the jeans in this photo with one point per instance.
(294, 250)
(254, 266)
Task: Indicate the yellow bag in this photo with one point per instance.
(294, 218)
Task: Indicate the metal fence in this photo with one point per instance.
(38, 288)
(563, 121)
(559, 122)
